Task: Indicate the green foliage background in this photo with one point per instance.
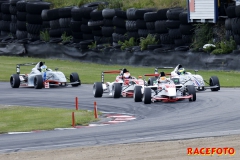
(123, 3)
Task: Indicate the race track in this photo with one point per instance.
(213, 114)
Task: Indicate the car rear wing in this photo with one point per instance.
(109, 72)
(156, 69)
(157, 74)
(24, 64)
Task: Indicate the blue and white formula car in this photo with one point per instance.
(42, 77)
(181, 77)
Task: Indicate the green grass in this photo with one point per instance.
(22, 119)
(124, 3)
(91, 72)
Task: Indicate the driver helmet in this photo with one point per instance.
(181, 71)
(43, 68)
(162, 79)
(126, 75)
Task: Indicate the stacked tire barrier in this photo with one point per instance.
(131, 25)
(13, 12)
(161, 30)
(45, 22)
(34, 18)
(90, 23)
(119, 22)
(96, 24)
(186, 29)
(21, 32)
(150, 18)
(53, 17)
(65, 20)
(107, 28)
(6, 19)
(75, 24)
(232, 23)
(162, 25)
(173, 23)
(90, 27)
(144, 23)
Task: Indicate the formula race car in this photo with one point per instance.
(163, 89)
(122, 86)
(42, 77)
(181, 77)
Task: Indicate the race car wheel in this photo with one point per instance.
(213, 81)
(116, 90)
(191, 91)
(15, 81)
(147, 96)
(74, 77)
(137, 94)
(151, 80)
(97, 89)
(38, 82)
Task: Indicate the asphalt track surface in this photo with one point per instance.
(213, 114)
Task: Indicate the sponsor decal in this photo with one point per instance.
(124, 94)
(169, 86)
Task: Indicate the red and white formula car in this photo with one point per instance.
(163, 89)
(123, 86)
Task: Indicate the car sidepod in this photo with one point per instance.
(198, 82)
(56, 76)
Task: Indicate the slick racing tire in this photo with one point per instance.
(97, 89)
(151, 80)
(116, 90)
(147, 96)
(15, 81)
(214, 81)
(191, 91)
(137, 94)
(38, 82)
(74, 77)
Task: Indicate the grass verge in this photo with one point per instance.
(125, 4)
(91, 72)
(23, 119)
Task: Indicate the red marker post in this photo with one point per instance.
(76, 101)
(95, 110)
(73, 120)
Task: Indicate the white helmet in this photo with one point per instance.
(126, 75)
(43, 68)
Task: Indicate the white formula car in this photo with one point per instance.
(39, 79)
(163, 89)
(191, 79)
(121, 87)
